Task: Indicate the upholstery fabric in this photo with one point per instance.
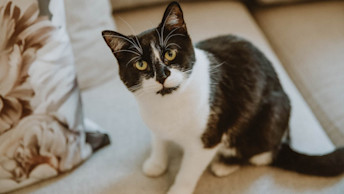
(126, 4)
(117, 168)
(85, 21)
(120, 5)
(309, 40)
(274, 2)
(42, 132)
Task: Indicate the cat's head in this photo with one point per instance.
(157, 61)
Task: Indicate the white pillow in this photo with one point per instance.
(86, 19)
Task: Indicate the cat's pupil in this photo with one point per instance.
(170, 54)
(140, 64)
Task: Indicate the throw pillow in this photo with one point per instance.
(42, 130)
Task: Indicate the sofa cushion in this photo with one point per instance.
(119, 5)
(274, 2)
(309, 40)
(116, 169)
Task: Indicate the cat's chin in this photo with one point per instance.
(165, 91)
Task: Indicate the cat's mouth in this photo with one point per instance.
(165, 91)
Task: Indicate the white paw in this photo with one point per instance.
(154, 168)
(220, 169)
(180, 190)
(261, 159)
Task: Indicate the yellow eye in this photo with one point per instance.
(141, 65)
(170, 54)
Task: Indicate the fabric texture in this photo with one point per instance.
(42, 132)
(127, 4)
(86, 19)
(273, 2)
(117, 168)
(120, 5)
(309, 40)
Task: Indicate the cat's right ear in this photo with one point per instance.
(114, 40)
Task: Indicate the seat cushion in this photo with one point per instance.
(309, 40)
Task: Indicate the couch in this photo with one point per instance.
(305, 42)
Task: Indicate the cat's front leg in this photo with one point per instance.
(156, 164)
(195, 161)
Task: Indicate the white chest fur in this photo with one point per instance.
(183, 114)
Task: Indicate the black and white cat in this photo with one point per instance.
(221, 101)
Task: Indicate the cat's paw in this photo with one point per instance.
(180, 190)
(154, 168)
(220, 169)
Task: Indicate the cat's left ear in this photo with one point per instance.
(173, 18)
(114, 40)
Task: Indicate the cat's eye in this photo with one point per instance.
(141, 65)
(170, 54)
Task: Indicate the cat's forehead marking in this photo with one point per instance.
(155, 53)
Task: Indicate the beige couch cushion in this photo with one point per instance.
(309, 40)
(273, 2)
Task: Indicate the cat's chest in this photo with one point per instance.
(175, 117)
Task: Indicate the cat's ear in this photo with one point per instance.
(114, 40)
(173, 17)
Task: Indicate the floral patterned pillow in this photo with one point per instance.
(42, 129)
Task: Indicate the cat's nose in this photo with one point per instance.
(162, 75)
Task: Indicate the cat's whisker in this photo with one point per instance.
(130, 41)
(130, 51)
(215, 69)
(171, 44)
(168, 38)
(138, 44)
(137, 58)
(169, 34)
(135, 88)
(187, 71)
(160, 39)
(132, 29)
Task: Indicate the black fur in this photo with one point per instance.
(331, 164)
(253, 110)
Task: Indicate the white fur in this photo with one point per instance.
(180, 117)
(220, 169)
(156, 55)
(175, 79)
(173, 19)
(261, 159)
(228, 152)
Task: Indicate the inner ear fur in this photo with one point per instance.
(173, 17)
(114, 40)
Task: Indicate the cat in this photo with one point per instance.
(220, 100)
